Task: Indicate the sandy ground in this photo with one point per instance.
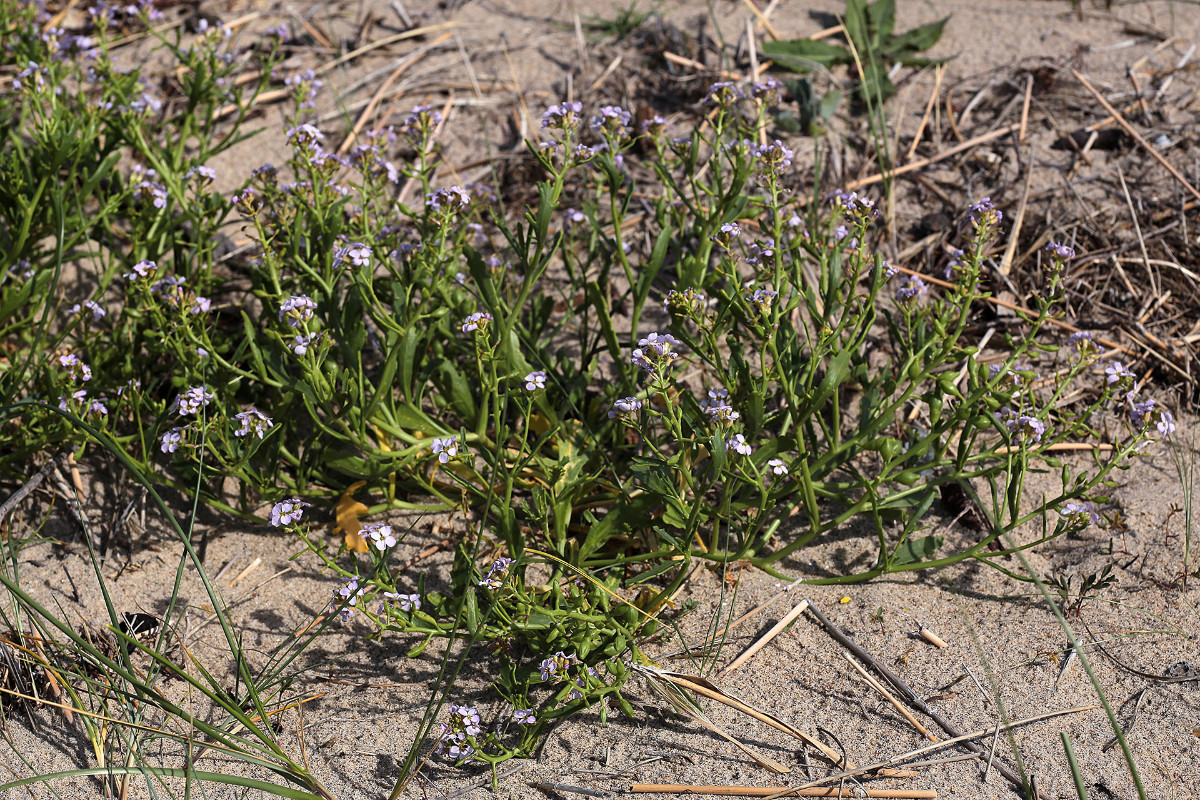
(356, 734)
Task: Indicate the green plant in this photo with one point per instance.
(627, 20)
(872, 47)
(736, 375)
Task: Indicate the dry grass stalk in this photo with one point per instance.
(924, 162)
(932, 637)
(888, 696)
(762, 20)
(365, 117)
(696, 65)
(938, 73)
(768, 791)
(900, 759)
(666, 688)
(703, 687)
(777, 629)
(1137, 137)
(1006, 261)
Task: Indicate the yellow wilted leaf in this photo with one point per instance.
(348, 525)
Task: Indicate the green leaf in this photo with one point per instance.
(901, 48)
(914, 550)
(805, 55)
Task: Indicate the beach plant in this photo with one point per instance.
(673, 355)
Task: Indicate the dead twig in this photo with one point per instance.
(1137, 137)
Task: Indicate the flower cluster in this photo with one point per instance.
(770, 160)
(1022, 427)
(191, 401)
(476, 322)
(563, 117)
(497, 574)
(305, 86)
(911, 289)
(625, 409)
(1149, 416)
(287, 512)
(688, 304)
(535, 381)
(738, 444)
(726, 235)
(345, 599)
(458, 734)
(1119, 377)
(76, 369)
(1084, 343)
(557, 668)
(1080, 514)
(297, 310)
(379, 534)
(405, 602)
(253, 423)
(655, 352)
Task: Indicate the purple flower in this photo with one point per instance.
(524, 716)
(655, 350)
(739, 445)
(191, 401)
(778, 466)
(769, 91)
(726, 235)
(554, 668)
(573, 217)
(761, 299)
(286, 512)
(451, 198)
(253, 422)
(1023, 427)
(76, 401)
(984, 213)
(142, 269)
(204, 175)
(723, 94)
(1118, 375)
(445, 448)
(98, 312)
(1060, 251)
(172, 439)
(611, 119)
(771, 159)
(379, 534)
(459, 732)
(1080, 513)
(497, 574)
(625, 408)
(346, 598)
(1081, 341)
(535, 381)
(358, 254)
(76, 369)
(475, 322)
(298, 309)
(688, 303)
(1148, 414)
(304, 136)
(563, 116)
(152, 192)
(911, 289)
(301, 342)
(721, 412)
